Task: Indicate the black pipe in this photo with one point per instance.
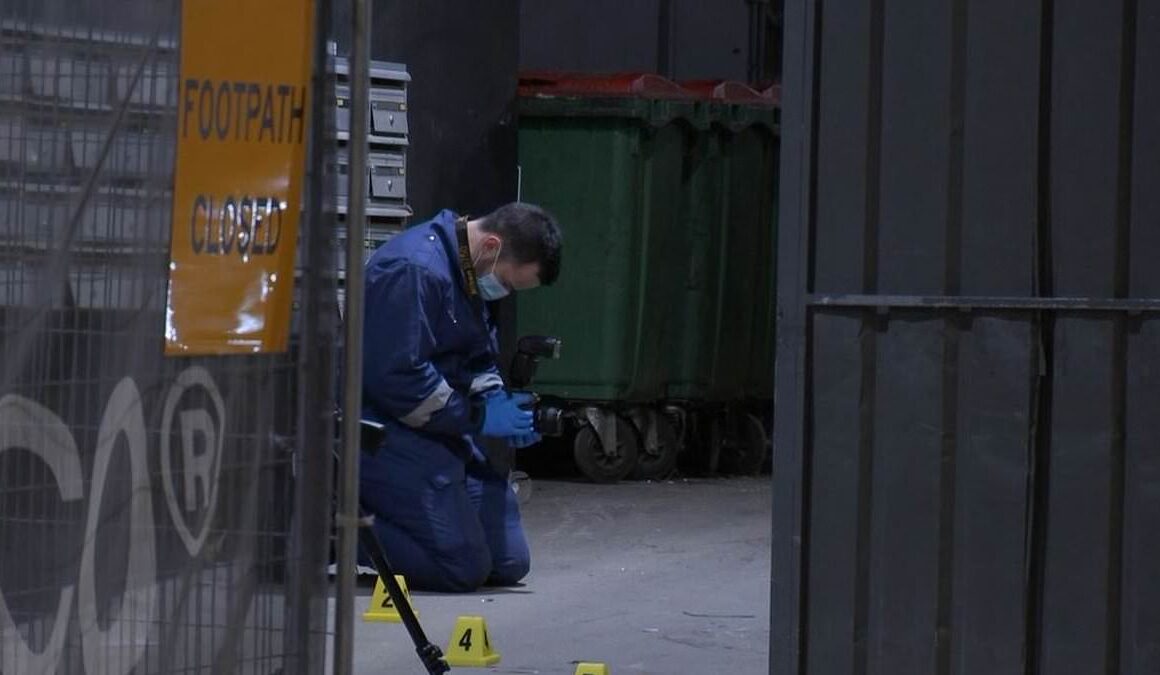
(755, 59)
(665, 38)
(429, 654)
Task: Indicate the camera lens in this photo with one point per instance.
(549, 421)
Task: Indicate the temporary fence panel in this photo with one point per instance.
(157, 513)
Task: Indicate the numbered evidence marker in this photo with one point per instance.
(592, 669)
(382, 608)
(470, 646)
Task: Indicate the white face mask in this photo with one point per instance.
(490, 287)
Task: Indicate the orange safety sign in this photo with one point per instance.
(243, 102)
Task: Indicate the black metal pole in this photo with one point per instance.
(429, 654)
(790, 435)
(665, 38)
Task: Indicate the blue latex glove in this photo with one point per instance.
(524, 440)
(503, 417)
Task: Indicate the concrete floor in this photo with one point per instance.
(662, 578)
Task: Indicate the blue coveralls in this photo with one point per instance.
(447, 521)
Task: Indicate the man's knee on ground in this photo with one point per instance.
(464, 573)
(510, 572)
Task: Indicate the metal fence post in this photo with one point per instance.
(353, 313)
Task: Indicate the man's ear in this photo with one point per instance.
(493, 243)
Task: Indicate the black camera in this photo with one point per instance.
(548, 420)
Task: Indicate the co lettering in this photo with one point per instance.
(26, 424)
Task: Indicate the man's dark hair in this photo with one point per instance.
(530, 234)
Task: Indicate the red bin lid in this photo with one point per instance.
(729, 91)
(773, 93)
(643, 85)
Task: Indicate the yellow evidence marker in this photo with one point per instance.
(382, 608)
(592, 669)
(470, 646)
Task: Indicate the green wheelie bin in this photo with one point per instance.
(691, 275)
(606, 155)
(738, 328)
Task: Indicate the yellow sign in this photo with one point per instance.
(470, 646)
(243, 102)
(382, 608)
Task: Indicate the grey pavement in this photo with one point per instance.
(647, 577)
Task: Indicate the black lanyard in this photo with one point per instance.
(468, 283)
(471, 283)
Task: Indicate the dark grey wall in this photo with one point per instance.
(462, 57)
(708, 38)
(589, 35)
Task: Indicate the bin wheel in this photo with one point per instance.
(658, 462)
(599, 466)
(745, 447)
